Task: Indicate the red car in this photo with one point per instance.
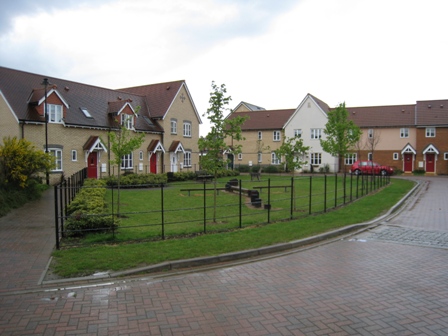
(370, 167)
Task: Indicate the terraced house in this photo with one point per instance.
(80, 115)
(407, 137)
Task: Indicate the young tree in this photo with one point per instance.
(293, 151)
(20, 161)
(372, 141)
(214, 143)
(123, 143)
(342, 134)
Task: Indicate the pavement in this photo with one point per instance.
(390, 278)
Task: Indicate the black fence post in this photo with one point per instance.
(240, 199)
(269, 200)
(335, 190)
(325, 193)
(205, 207)
(56, 222)
(292, 198)
(163, 212)
(310, 194)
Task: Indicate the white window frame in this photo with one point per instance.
(240, 156)
(55, 113)
(57, 154)
(187, 129)
(369, 156)
(140, 155)
(276, 136)
(260, 135)
(127, 161)
(316, 133)
(404, 132)
(74, 155)
(127, 121)
(187, 159)
(316, 158)
(445, 156)
(260, 157)
(173, 126)
(350, 158)
(274, 159)
(298, 132)
(430, 132)
(396, 156)
(370, 133)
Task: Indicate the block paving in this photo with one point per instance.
(368, 284)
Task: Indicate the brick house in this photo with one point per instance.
(407, 137)
(80, 115)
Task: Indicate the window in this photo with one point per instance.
(350, 158)
(370, 133)
(173, 126)
(127, 120)
(274, 159)
(187, 159)
(259, 157)
(396, 156)
(370, 156)
(240, 156)
(276, 135)
(260, 135)
(316, 158)
(298, 133)
(140, 155)
(57, 154)
(445, 156)
(74, 155)
(54, 113)
(430, 132)
(316, 133)
(187, 129)
(86, 112)
(404, 132)
(126, 161)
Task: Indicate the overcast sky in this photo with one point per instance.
(268, 53)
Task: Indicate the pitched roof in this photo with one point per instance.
(158, 96)
(23, 89)
(432, 112)
(250, 107)
(324, 106)
(383, 116)
(264, 120)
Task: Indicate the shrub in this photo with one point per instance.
(243, 168)
(136, 180)
(86, 211)
(271, 169)
(419, 172)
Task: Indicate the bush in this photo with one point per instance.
(136, 180)
(271, 169)
(419, 172)
(15, 198)
(86, 211)
(243, 168)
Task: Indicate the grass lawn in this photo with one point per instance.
(84, 261)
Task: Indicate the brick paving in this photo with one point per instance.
(362, 285)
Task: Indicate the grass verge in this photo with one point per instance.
(85, 261)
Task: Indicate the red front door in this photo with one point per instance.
(153, 163)
(430, 164)
(407, 162)
(92, 165)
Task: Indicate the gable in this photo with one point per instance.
(311, 113)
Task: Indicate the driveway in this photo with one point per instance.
(391, 280)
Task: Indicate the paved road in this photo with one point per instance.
(392, 280)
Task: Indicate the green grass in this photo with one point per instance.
(84, 261)
(184, 214)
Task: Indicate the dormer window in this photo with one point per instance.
(127, 121)
(55, 113)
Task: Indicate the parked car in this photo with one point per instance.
(370, 167)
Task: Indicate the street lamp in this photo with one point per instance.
(45, 83)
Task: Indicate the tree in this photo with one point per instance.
(20, 161)
(122, 143)
(373, 138)
(214, 143)
(342, 134)
(293, 151)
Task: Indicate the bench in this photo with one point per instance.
(272, 187)
(203, 175)
(255, 174)
(201, 189)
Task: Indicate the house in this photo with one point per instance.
(407, 137)
(79, 117)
